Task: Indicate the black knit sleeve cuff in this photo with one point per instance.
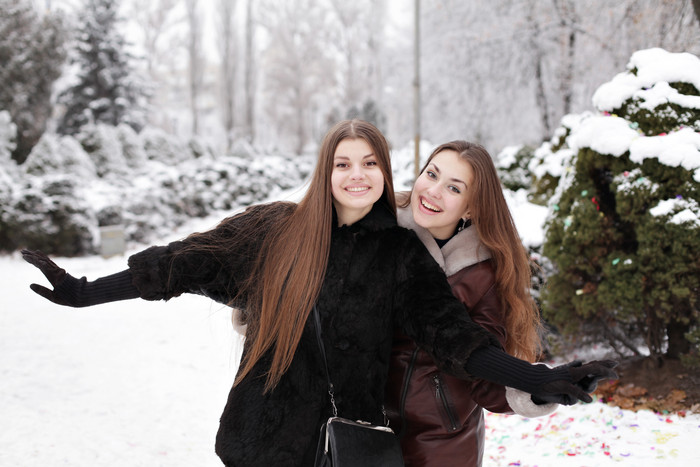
(493, 364)
(82, 293)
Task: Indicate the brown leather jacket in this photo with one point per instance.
(439, 418)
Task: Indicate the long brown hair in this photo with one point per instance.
(290, 268)
(496, 228)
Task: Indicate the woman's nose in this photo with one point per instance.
(434, 191)
(357, 173)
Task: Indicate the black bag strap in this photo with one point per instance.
(331, 392)
(322, 348)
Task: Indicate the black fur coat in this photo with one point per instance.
(379, 276)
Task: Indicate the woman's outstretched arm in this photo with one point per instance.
(69, 291)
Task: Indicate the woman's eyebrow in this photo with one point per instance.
(340, 156)
(457, 180)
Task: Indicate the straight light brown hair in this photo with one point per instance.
(497, 231)
(291, 266)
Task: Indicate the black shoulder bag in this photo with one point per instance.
(348, 443)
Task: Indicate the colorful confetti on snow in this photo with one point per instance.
(578, 436)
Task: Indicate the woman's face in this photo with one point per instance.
(439, 197)
(357, 182)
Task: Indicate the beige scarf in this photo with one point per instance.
(464, 249)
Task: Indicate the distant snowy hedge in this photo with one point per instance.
(149, 183)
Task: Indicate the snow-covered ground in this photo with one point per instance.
(143, 384)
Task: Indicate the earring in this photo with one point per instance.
(463, 224)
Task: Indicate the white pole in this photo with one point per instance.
(416, 88)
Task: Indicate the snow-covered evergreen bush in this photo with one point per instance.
(55, 154)
(8, 171)
(52, 214)
(149, 183)
(166, 148)
(132, 147)
(512, 165)
(624, 225)
(106, 88)
(553, 159)
(659, 93)
(8, 132)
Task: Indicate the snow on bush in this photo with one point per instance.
(149, 183)
(512, 165)
(55, 154)
(659, 86)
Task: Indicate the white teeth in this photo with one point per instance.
(429, 206)
(354, 189)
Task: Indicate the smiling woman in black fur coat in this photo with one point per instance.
(341, 250)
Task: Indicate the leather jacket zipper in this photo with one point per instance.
(442, 398)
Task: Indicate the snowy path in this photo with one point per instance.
(143, 384)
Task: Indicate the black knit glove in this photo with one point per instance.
(69, 291)
(588, 381)
(585, 377)
(53, 273)
(565, 384)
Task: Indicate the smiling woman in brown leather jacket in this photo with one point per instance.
(458, 211)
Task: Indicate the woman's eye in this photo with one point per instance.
(371, 163)
(454, 189)
(431, 174)
(341, 165)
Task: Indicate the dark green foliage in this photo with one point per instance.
(542, 189)
(624, 239)
(687, 89)
(692, 358)
(619, 266)
(663, 119)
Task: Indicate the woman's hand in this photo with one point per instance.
(584, 380)
(69, 291)
(53, 273)
(565, 384)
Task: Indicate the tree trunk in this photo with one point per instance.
(227, 9)
(655, 331)
(677, 343)
(540, 91)
(249, 73)
(567, 84)
(194, 47)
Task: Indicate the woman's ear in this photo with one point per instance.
(467, 214)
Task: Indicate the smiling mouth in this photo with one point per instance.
(357, 189)
(428, 206)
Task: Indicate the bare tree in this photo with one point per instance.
(358, 39)
(155, 19)
(159, 21)
(228, 44)
(568, 20)
(537, 54)
(250, 67)
(349, 18)
(299, 69)
(196, 62)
